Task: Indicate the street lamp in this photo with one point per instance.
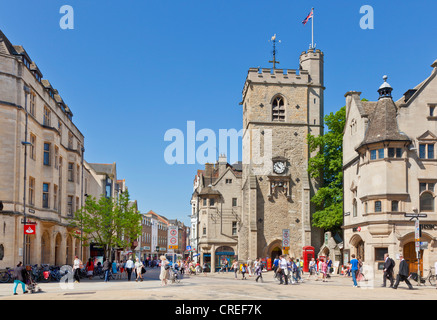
(25, 143)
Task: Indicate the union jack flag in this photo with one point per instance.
(310, 16)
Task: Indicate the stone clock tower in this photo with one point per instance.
(280, 108)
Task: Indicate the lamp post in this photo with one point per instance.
(25, 143)
(81, 204)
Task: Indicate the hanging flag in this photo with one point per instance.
(310, 16)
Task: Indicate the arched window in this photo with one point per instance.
(278, 109)
(354, 205)
(427, 202)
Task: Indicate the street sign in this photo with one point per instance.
(286, 239)
(416, 215)
(172, 240)
(188, 248)
(423, 245)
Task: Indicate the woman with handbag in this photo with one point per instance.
(165, 271)
(138, 269)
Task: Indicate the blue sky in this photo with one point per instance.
(131, 70)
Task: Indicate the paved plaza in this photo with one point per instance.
(221, 286)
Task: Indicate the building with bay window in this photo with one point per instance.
(390, 169)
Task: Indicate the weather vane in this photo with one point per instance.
(274, 51)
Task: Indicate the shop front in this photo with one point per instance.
(224, 256)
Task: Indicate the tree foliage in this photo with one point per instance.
(327, 168)
(111, 223)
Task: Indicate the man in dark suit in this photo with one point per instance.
(388, 271)
(404, 272)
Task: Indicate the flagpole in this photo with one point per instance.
(312, 30)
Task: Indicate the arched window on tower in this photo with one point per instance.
(278, 109)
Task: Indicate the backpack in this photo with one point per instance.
(393, 262)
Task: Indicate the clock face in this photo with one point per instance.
(279, 167)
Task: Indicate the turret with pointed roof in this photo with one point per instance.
(383, 124)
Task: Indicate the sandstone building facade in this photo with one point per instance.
(38, 136)
(216, 212)
(280, 108)
(390, 169)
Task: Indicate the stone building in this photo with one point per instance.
(218, 195)
(280, 108)
(390, 169)
(43, 173)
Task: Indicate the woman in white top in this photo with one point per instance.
(77, 265)
(165, 273)
(138, 268)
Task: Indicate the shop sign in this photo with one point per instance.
(29, 229)
(428, 226)
(356, 229)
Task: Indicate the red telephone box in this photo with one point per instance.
(308, 254)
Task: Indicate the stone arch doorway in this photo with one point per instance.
(276, 252)
(45, 248)
(358, 247)
(410, 256)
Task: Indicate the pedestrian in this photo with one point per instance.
(329, 263)
(106, 268)
(319, 268)
(275, 268)
(404, 272)
(243, 269)
(77, 265)
(354, 270)
(291, 266)
(19, 278)
(389, 265)
(301, 266)
(298, 271)
(282, 267)
(138, 269)
(204, 268)
(258, 270)
(249, 267)
(165, 271)
(90, 269)
(235, 268)
(312, 268)
(122, 268)
(324, 270)
(129, 267)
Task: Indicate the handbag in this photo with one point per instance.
(143, 270)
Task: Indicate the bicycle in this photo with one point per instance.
(430, 277)
(6, 275)
(110, 275)
(174, 278)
